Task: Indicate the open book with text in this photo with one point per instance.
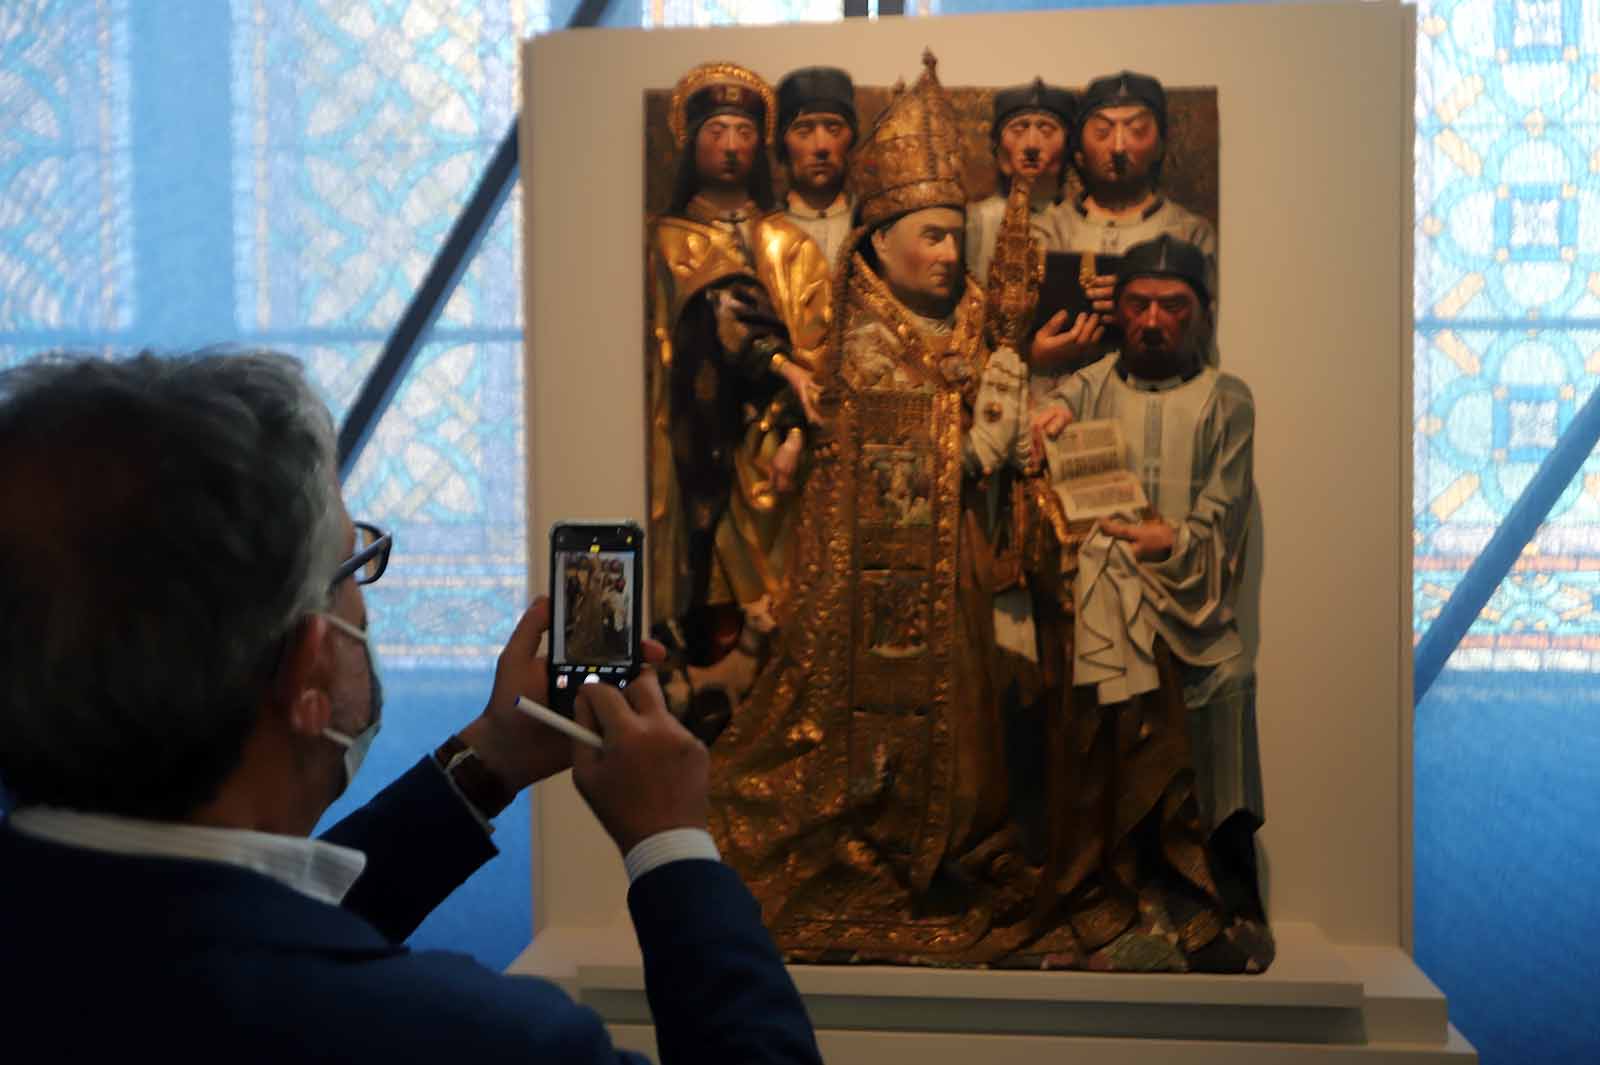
(1088, 473)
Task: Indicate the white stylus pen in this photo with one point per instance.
(557, 722)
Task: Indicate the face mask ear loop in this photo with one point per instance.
(355, 747)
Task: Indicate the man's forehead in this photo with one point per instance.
(936, 218)
(1120, 113)
(814, 117)
(1157, 287)
(735, 121)
(1027, 117)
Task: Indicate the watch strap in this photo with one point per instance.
(472, 778)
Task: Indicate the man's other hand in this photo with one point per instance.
(1099, 292)
(1046, 424)
(1055, 344)
(786, 462)
(651, 774)
(1152, 540)
(514, 747)
(805, 388)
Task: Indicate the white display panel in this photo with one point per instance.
(1314, 146)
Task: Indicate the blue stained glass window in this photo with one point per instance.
(362, 128)
(736, 12)
(281, 175)
(66, 265)
(1507, 344)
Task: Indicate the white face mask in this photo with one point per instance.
(356, 747)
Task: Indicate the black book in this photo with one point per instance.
(1062, 287)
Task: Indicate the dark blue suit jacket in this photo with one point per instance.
(108, 958)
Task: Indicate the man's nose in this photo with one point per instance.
(1151, 318)
(1119, 141)
(949, 249)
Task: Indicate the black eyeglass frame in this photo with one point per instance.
(378, 548)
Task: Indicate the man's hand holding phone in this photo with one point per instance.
(596, 587)
(516, 749)
(650, 775)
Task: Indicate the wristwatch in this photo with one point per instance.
(472, 778)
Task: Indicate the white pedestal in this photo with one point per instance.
(1317, 1003)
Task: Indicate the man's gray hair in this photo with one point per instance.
(165, 524)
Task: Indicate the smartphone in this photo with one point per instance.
(596, 597)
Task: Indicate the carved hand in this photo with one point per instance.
(805, 388)
(1056, 345)
(1047, 423)
(1152, 539)
(997, 416)
(786, 462)
(744, 313)
(732, 333)
(1099, 292)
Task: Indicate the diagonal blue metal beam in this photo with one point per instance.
(588, 13)
(460, 244)
(1577, 443)
(400, 350)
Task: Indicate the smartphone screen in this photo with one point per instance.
(595, 597)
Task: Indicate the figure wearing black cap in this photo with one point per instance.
(1176, 656)
(1028, 136)
(816, 130)
(739, 305)
(1118, 146)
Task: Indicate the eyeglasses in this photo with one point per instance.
(371, 557)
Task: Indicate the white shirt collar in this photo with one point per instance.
(841, 204)
(1145, 384)
(317, 870)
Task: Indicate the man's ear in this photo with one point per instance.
(880, 239)
(305, 677)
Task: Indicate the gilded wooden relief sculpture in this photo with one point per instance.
(946, 556)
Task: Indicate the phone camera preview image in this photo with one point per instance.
(594, 636)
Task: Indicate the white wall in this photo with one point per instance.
(1313, 104)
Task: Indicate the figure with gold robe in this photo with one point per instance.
(739, 305)
(861, 789)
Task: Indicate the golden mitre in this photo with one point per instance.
(721, 88)
(912, 158)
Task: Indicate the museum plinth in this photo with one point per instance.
(1317, 1003)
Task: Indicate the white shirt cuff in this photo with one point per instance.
(673, 845)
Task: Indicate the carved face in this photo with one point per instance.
(817, 145)
(1033, 144)
(921, 256)
(1121, 146)
(725, 150)
(1163, 326)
